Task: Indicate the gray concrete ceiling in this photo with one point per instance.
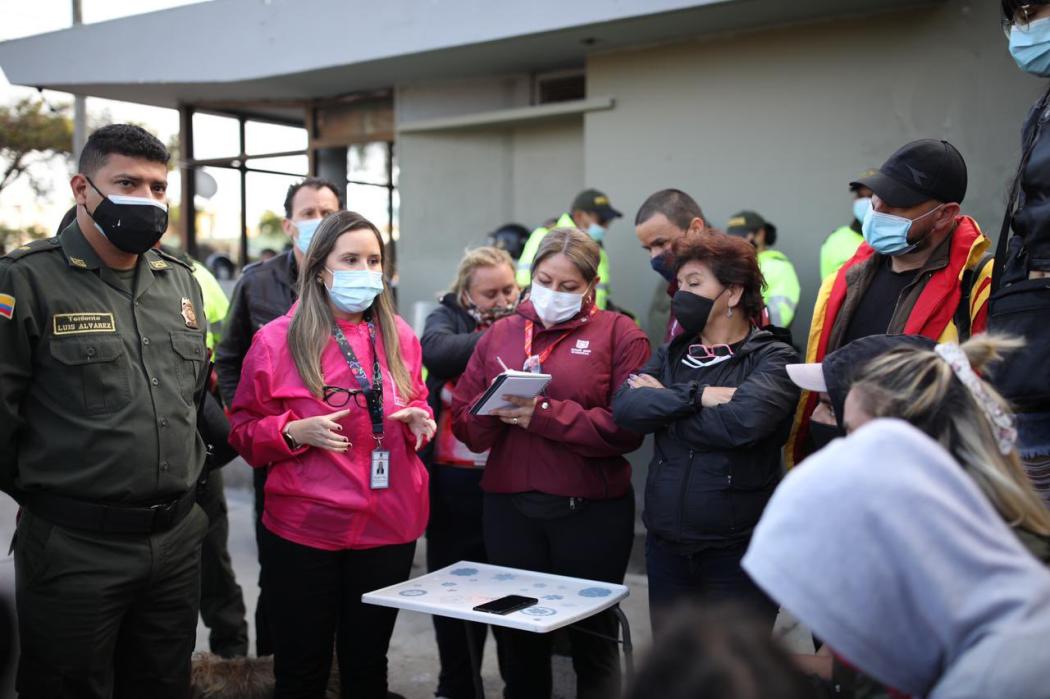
(278, 50)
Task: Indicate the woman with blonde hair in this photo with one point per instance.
(483, 291)
(557, 487)
(331, 402)
(940, 391)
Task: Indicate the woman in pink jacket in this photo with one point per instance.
(332, 403)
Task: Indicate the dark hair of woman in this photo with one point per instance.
(718, 652)
(731, 259)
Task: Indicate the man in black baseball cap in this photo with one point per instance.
(592, 213)
(922, 270)
(921, 171)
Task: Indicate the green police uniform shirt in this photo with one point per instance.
(99, 376)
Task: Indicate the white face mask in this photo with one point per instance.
(554, 306)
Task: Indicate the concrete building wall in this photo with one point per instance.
(776, 120)
(457, 186)
(780, 121)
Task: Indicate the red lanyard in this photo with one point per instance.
(545, 354)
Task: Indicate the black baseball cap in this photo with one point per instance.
(744, 222)
(870, 172)
(595, 202)
(835, 375)
(920, 171)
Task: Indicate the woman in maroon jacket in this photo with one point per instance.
(558, 495)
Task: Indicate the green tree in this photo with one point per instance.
(13, 237)
(270, 225)
(30, 134)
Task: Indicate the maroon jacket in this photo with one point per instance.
(572, 446)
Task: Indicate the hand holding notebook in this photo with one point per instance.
(525, 384)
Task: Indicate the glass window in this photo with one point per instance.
(297, 165)
(261, 137)
(264, 210)
(215, 137)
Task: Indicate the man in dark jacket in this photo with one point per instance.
(264, 292)
(662, 219)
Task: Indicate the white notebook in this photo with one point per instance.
(510, 383)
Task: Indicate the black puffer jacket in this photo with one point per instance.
(264, 292)
(1031, 221)
(448, 341)
(713, 469)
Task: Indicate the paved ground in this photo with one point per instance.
(413, 654)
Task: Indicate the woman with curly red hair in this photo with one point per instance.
(719, 402)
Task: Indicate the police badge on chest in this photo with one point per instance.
(188, 314)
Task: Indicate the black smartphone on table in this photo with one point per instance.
(506, 605)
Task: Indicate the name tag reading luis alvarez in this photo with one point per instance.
(76, 323)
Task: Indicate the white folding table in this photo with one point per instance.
(455, 590)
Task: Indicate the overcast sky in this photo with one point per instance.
(214, 137)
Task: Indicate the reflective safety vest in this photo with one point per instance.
(782, 288)
(216, 305)
(837, 249)
(532, 245)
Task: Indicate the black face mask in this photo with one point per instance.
(132, 224)
(692, 311)
(821, 435)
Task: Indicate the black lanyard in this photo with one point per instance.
(373, 391)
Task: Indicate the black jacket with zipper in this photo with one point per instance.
(448, 341)
(713, 469)
(264, 292)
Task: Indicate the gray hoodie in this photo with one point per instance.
(887, 550)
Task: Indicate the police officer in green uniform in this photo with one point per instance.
(782, 290)
(592, 213)
(102, 365)
(842, 243)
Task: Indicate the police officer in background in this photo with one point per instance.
(782, 289)
(102, 365)
(266, 291)
(842, 243)
(592, 213)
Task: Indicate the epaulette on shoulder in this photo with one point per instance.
(41, 245)
(168, 257)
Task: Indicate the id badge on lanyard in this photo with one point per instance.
(380, 462)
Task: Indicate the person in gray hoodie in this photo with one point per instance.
(889, 551)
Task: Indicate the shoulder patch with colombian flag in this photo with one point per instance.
(7, 306)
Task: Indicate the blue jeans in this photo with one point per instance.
(709, 575)
(1033, 443)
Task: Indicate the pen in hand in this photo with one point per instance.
(498, 359)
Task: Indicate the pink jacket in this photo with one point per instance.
(317, 497)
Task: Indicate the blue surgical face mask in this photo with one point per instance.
(663, 264)
(860, 208)
(1030, 47)
(888, 234)
(353, 291)
(596, 231)
(306, 233)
